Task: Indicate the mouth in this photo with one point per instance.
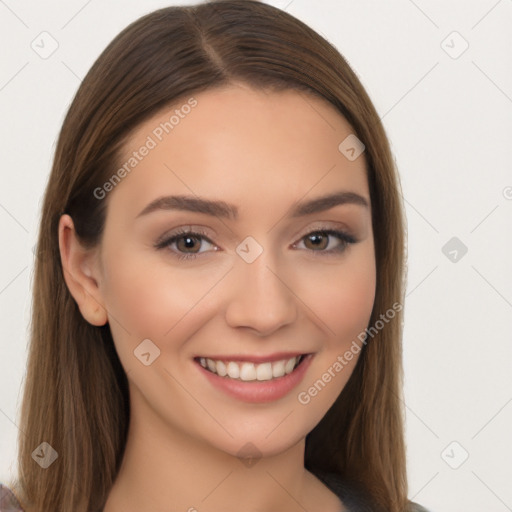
(247, 371)
(255, 379)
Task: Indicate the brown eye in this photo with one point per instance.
(189, 242)
(318, 241)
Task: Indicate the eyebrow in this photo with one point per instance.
(226, 210)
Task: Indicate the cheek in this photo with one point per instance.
(345, 308)
(343, 295)
(351, 308)
(148, 298)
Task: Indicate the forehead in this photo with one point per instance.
(240, 144)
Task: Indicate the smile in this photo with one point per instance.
(247, 371)
(255, 379)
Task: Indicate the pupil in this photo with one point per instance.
(189, 242)
(316, 239)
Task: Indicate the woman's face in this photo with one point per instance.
(260, 283)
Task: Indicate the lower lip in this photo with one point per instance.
(257, 391)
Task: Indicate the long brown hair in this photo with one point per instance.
(76, 391)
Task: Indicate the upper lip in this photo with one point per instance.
(276, 356)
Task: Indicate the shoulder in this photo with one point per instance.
(8, 501)
(354, 497)
(414, 507)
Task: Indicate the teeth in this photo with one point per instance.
(211, 365)
(278, 369)
(263, 371)
(249, 371)
(289, 366)
(233, 370)
(221, 369)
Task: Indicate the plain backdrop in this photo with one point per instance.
(440, 76)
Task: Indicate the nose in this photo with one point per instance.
(260, 298)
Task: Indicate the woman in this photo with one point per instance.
(261, 371)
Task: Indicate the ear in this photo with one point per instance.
(81, 273)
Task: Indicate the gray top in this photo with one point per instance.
(354, 499)
(8, 501)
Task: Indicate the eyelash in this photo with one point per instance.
(345, 238)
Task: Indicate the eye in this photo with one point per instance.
(320, 241)
(185, 240)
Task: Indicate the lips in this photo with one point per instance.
(249, 370)
(254, 390)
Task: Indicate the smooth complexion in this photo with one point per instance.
(263, 153)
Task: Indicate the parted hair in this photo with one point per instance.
(75, 394)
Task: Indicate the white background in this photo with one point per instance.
(450, 125)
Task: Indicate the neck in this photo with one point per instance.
(164, 468)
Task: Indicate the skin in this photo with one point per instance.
(261, 151)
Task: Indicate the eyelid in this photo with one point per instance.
(181, 231)
(331, 229)
(325, 226)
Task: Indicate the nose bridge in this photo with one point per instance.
(260, 298)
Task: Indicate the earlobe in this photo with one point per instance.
(80, 273)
